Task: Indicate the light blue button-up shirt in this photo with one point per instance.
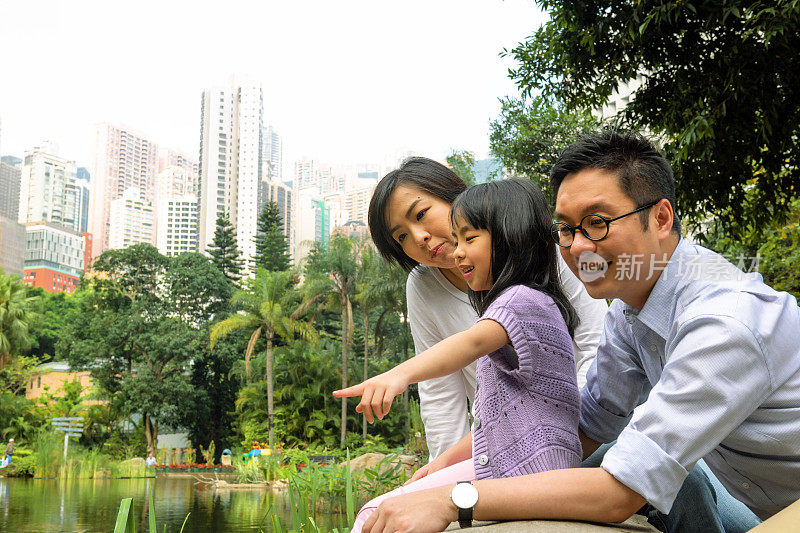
(718, 352)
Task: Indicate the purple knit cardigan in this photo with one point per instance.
(527, 402)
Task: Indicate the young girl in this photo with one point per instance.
(526, 406)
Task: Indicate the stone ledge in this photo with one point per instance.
(635, 524)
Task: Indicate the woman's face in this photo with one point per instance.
(420, 222)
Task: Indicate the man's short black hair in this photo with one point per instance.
(644, 174)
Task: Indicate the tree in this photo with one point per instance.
(369, 289)
(16, 314)
(215, 391)
(331, 276)
(721, 87)
(139, 326)
(532, 132)
(269, 307)
(52, 313)
(196, 288)
(272, 250)
(463, 164)
(224, 253)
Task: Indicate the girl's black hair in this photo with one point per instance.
(420, 173)
(515, 214)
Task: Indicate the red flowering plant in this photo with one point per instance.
(195, 466)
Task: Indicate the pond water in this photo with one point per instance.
(87, 505)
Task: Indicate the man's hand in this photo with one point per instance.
(423, 511)
(376, 393)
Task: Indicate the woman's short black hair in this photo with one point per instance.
(420, 173)
(644, 174)
(516, 215)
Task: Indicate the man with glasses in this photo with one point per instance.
(707, 353)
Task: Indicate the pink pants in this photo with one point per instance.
(463, 471)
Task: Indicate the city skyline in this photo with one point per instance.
(345, 85)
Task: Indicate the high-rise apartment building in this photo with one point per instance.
(168, 158)
(53, 257)
(130, 221)
(84, 191)
(123, 159)
(352, 204)
(232, 162)
(283, 196)
(176, 211)
(312, 223)
(10, 179)
(49, 189)
(273, 154)
(310, 173)
(12, 246)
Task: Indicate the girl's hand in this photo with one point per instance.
(376, 393)
(428, 469)
(420, 473)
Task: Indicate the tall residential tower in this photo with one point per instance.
(237, 151)
(123, 159)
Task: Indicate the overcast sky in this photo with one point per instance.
(344, 81)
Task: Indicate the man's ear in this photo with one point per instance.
(663, 216)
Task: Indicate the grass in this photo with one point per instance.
(47, 461)
(304, 490)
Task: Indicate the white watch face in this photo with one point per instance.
(464, 495)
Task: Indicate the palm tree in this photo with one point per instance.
(331, 274)
(269, 307)
(16, 314)
(370, 289)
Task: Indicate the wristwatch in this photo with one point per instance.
(465, 496)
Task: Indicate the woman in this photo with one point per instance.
(409, 220)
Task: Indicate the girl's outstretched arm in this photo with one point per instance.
(443, 358)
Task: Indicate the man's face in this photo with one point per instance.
(608, 267)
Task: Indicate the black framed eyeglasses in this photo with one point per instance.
(594, 227)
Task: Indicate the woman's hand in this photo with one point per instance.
(376, 393)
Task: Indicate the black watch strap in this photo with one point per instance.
(465, 517)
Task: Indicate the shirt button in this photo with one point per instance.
(476, 424)
(483, 460)
(653, 348)
(745, 485)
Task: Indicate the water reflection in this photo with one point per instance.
(86, 505)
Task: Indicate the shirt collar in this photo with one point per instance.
(659, 309)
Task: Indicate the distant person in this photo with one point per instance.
(9, 450)
(526, 405)
(151, 461)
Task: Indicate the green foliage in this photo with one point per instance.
(210, 413)
(531, 133)
(53, 312)
(269, 307)
(272, 248)
(463, 164)
(139, 325)
(777, 249)
(223, 250)
(331, 275)
(721, 88)
(16, 315)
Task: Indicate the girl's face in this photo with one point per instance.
(420, 223)
(473, 254)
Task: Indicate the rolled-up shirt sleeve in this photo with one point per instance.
(614, 382)
(715, 377)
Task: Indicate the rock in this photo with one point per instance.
(373, 460)
(136, 462)
(635, 524)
